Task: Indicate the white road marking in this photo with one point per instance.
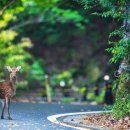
(53, 118)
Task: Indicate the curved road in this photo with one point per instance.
(27, 116)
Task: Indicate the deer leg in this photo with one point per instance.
(3, 108)
(8, 106)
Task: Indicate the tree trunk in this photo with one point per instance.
(48, 91)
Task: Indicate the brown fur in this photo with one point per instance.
(6, 90)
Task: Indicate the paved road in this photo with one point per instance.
(27, 116)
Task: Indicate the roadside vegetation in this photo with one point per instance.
(75, 43)
(119, 41)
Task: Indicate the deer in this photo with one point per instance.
(8, 90)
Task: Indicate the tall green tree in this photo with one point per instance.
(120, 47)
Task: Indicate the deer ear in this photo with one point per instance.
(9, 68)
(18, 68)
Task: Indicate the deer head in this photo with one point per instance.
(13, 71)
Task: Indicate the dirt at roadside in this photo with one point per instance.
(107, 121)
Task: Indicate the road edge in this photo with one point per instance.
(54, 118)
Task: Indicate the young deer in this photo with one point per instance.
(8, 90)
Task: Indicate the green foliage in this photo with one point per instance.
(122, 102)
(65, 77)
(94, 72)
(49, 22)
(99, 98)
(68, 100)
(14, 41)
(51, 12)
(38, 71)
(115, 9)
(13, 52)
(22, 85)
(120, 48)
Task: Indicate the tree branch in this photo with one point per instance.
(27, 23)
(6, 6)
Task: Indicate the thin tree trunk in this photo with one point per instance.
(48, 92)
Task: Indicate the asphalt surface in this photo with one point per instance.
(27, 116)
